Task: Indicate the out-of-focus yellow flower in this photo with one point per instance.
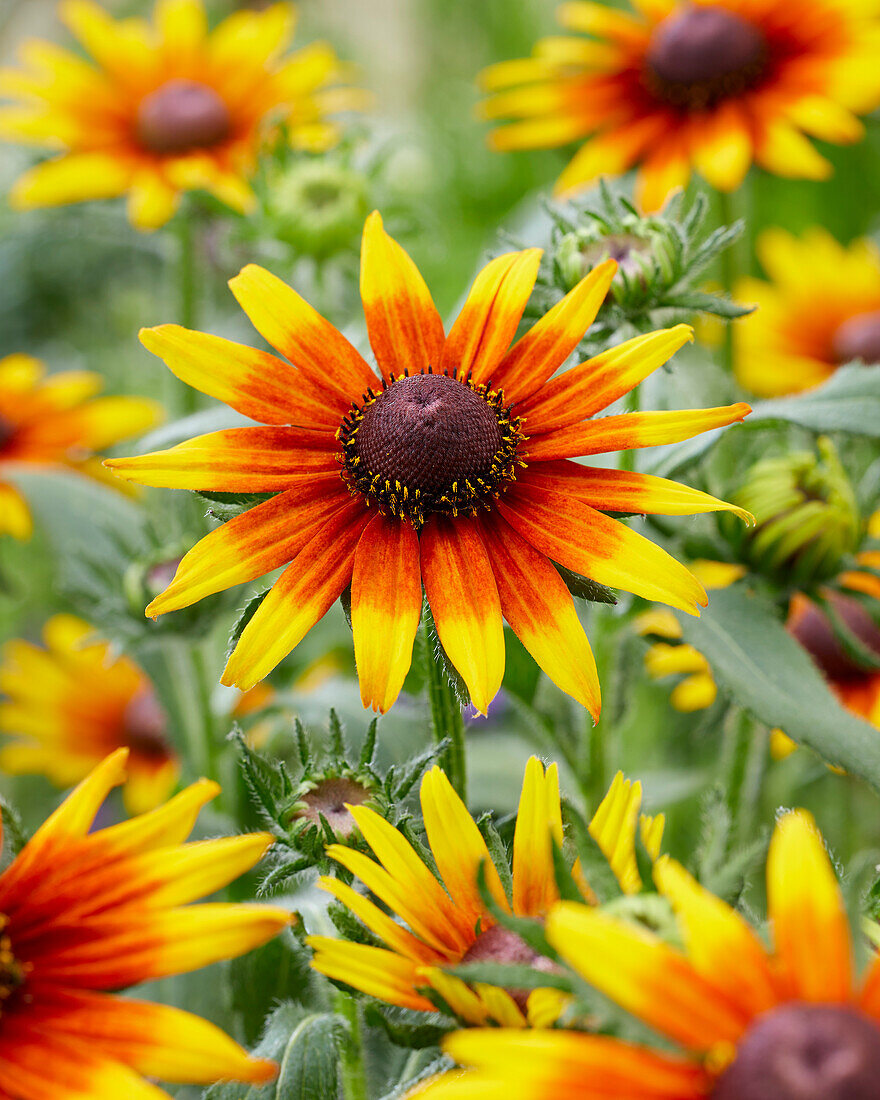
(819, 309)
(712, 85)
(58, 421)
(168, 107)
(71, 703)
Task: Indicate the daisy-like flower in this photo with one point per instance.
(58, 421)
(708, 84)
(820, 309)
(786, 1023)
(168, 107)
(451, 471)
(70, 704)
(85, 912)
(446, 923)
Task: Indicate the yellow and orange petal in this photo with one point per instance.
(674, 87)
(68, 703)
(90, 911)
(480, 546)
(816, 310)
(58, 420)
(167, 107)
(443, 925)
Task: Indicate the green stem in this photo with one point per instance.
(742, 756)
(188, 294)
(632, 404)
(446, 718)
(354, 1074)
(204, 683)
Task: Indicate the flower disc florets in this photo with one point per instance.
(805, 1052)
(12, 973)
(499, 945)
(858, 338)
(7, 430)
(145, 726)
(702, 55)
(429, 443)
(330, 798)
(182, 115)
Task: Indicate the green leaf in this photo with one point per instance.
(757, 661)
(310, 1063)
(406, 1028)
(848, 402)
(707, 303)
(278, 970)
(277, 1033)
(584, 588)
(245, 615)
(511, 976)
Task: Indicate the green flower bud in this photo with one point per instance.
(319, 206)
(806, 516)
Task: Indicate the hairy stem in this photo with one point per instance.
(354, 1074)
(446, 718)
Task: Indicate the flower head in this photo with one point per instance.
(451, 471)
(446, 923)
(58, 421)
(787, 1023)
(820, 309)
(85, 912)
(711, 84)
(168, 107)
(71, 703)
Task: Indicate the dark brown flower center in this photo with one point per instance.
(328, 799)
(805, 1052)
(145, 726)
(858, 338)
(12, 972)
(500, 945)
(429, 443)
(182, 115)
(701, 55)
(813, 629)
(7, 431)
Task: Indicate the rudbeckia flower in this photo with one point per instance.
(446, 923)
(450, 470)
(70, 704)
(85, 912)
(166, 108)
(709, 84)
(790, 1022)
(820, 309)
(58, 421)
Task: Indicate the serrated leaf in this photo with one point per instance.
(405, 1088)
(754, 657)
(708, 303)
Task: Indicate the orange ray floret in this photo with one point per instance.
(445, 925)
(167, 107)
(676, 85)
(85, 912)
(57, 420)
(70, 704)
(755, 1022)
(449, 470)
